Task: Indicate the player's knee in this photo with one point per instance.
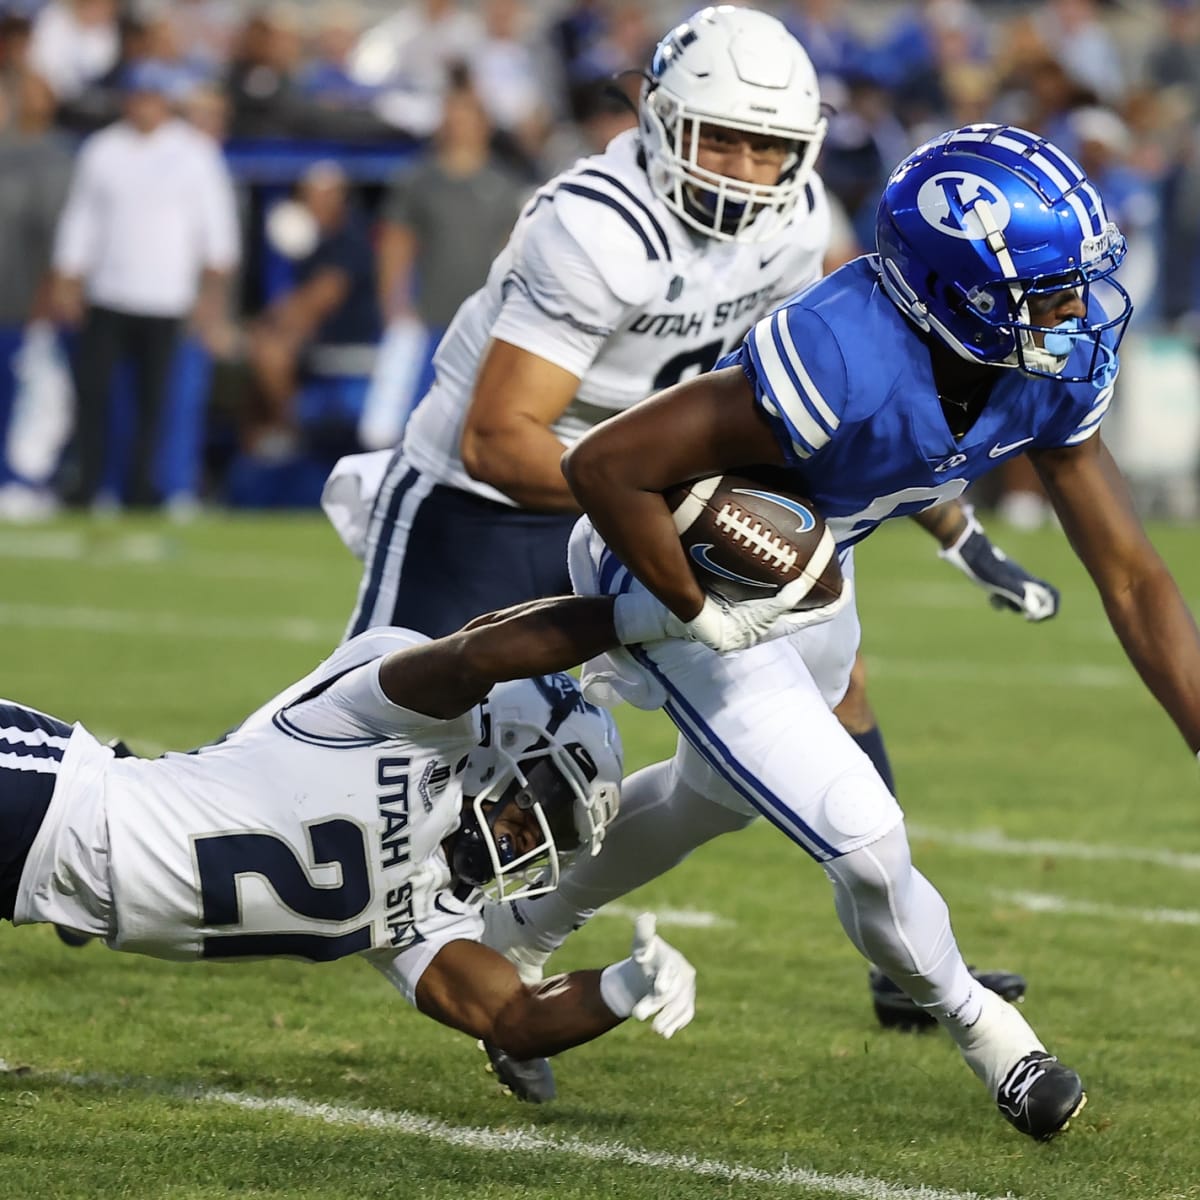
(860, 814)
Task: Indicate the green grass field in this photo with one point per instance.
(1049, 799)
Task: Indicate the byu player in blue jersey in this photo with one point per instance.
(632, 270)
(992, 319)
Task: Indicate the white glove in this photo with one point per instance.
(654, 979)
(726, 627)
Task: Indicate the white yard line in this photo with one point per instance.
(150, 550)
(682, 918)
(1024, 675)
(526, 1140)
(128, 622)
(1040, 902)
(993, 841)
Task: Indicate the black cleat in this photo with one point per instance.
(72, 937)
(531, 1080)
(896, 1010)
(1039, 1096)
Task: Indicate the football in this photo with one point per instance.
(746, 539)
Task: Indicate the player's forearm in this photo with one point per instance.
(521, 460)
(540, 638)
(1160, 637)
(946, 522)
(637, 527)
(554, 1015)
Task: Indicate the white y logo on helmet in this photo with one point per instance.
(947, 202)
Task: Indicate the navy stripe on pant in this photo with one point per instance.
(32, 745)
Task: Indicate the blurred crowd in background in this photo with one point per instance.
(231, 234)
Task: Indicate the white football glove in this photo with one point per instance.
(725, 626)
(1007, 583)
(654, 981)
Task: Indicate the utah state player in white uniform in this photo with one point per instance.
(359, 812)
(992, 321)
(621, 277)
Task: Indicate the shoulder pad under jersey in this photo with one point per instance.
(624, 234)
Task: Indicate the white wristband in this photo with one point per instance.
(622, 985)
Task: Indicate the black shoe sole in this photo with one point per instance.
(69, 937)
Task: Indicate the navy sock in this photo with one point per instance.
(871, 744)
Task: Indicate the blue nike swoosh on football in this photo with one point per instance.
(700, 554)
(807, 520)
(997, 450)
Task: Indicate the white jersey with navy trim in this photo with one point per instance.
(601, 279)
(313, 830)
(865, 432)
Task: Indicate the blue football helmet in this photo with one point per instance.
(978, 227)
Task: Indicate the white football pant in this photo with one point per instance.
(758, 736)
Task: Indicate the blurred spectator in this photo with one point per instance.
(507, 78)
(204, 31)
(409, 55)
(864, 142)
(595, 40)
(326, 327)
(1101, 143)
(15, 33)
(74, 42)
(1174, 59)
(1077, 38)
(326, 77)
(919, 46)
(35, 169)
(1180, 237)
(444, 220)
(837, 49)
(262, 77)
(1039, 94)
(602, 111)
(149, 226)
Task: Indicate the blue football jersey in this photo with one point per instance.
(848, 387)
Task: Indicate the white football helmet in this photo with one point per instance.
(743, 70)
(556, 756)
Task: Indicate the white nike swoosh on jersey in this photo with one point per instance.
(997, 450)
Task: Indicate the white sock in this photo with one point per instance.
(898, 920)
